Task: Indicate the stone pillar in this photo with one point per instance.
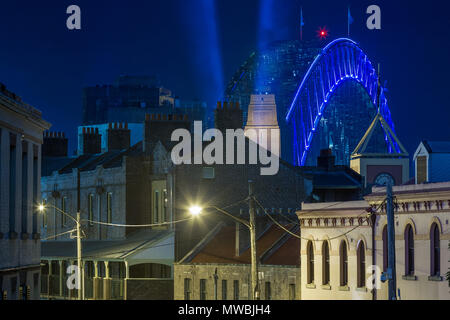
(125, 281)
(72, 292)
(50, 273)
(106, 283)
(61, 273)
(96, 283)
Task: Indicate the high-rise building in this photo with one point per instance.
(127, 100)
(325, 97)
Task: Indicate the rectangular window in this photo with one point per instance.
(109, 207)
(187, 289)
(421, 163)
(224, 289)
(236, 289)
(63, 209)
(268, 290)
(156, 206)
(208, 173)
(35, 187)
(202, 289)
(292, 291)
(91, 209)
(12, 184)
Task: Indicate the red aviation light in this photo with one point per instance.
(322, 33)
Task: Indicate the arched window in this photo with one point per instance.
(361, 264)
(343, 263)
(409, 250)
(435, 254)
(310, 259)
(325, 263)
(385, 249)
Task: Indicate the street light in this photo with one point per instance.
(196, 210)
(41, 208)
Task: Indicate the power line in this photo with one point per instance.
(300, 237)
(59, 234)
(137, 225)
(155, 224)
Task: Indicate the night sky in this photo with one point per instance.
(195, 46)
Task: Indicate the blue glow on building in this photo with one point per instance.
(340, 61)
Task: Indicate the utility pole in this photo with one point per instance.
(391, 272)
(80, 270)
(254, 267)
(80, 266)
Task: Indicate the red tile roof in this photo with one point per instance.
(221, 249)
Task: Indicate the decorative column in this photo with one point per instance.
(61, 273)
(106, 283)
(49, 282)
(125, 281)
(96, 282)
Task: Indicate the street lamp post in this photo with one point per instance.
(251, 225)
(78, 228)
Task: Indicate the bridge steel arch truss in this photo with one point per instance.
(341, 60)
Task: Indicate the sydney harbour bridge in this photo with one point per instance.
(326, 97)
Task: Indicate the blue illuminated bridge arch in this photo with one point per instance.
(339, 61)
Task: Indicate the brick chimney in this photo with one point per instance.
(159, 127)
(55, 144)
(229, 116)
(118, 136)
(91, 141)
(326, 160)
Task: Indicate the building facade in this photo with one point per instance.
(115, 191)
(218, 268)
(341, 241)
(21, 132)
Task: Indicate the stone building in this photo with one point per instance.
(340, 242)
(218, 268)
(21, 128)
(124, 185)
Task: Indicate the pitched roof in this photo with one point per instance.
(221, 248)
(437, 146)
(88, 162)
(393, 142)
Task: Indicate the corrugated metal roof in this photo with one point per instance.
(104, 249)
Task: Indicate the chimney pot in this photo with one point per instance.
(219, 104)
